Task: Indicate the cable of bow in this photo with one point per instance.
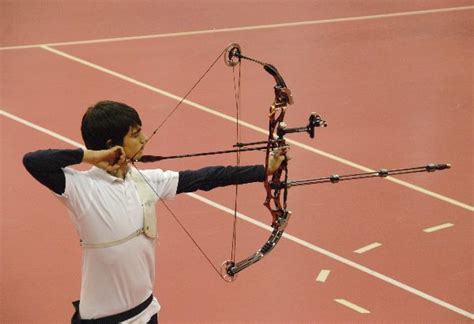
(276, 195)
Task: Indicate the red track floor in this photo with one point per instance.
(396, 90)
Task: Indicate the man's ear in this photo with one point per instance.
(109, 143)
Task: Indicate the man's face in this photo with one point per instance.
(133, 143)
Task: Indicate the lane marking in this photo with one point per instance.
(246, 28)
(41, 129)
(253, 127)
(368, 248)
(290, 237)
(352, 306)
(437, 228)
(323, 275)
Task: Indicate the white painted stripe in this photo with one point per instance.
(323, 275)
(431, 193)
(302, 242)
(247, 28)
(253, 127)
(338, 258)
(368, 248)
(437, 228)
(352, 306)
(41, 129)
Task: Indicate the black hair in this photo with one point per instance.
(106, 123)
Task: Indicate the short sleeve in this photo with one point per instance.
(164, 183)
(77, 193)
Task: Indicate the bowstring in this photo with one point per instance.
(132, 160)
(237, 97)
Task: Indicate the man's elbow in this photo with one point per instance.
(28, 161)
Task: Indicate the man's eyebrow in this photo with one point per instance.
(136, 130)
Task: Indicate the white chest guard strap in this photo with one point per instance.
(147, 198)
(112, 243)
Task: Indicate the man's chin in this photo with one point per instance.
(138, 156)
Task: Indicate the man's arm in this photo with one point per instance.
(219, 176)
(46, 165)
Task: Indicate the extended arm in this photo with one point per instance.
(218, 176)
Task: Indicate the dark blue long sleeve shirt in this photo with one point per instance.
(46, 167)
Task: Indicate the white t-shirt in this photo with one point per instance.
(104, 209)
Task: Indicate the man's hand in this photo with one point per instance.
(275, 159)
(109, 160)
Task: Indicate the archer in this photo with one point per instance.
(113, 209)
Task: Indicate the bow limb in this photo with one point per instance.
(276, 195)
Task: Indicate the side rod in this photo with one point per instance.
(382, 173)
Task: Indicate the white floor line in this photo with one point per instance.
(41, 129)
(323, 275)
(285, 235)
(368, 248)
(352, 306)
(340, 259)
(253, 127)
(437, 228)
(248, 28)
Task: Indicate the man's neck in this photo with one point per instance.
(119, 173)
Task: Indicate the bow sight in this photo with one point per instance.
(314, 121)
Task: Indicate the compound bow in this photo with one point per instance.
(277, 184)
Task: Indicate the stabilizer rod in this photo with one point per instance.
(382, 173)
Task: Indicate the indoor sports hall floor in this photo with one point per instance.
(394, 81)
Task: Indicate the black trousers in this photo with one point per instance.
(153, 319)
(75, 320)
(117, 318)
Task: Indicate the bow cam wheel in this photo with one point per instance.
(225, 271)
(232, 54)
